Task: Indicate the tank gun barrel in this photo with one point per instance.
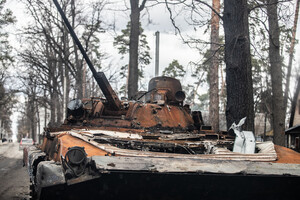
(113, 100)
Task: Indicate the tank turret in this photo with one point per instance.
(162, 109)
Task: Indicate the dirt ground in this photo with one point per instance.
(14, 179)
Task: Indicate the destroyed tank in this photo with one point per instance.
(153, 147)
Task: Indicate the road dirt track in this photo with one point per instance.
(14, 180)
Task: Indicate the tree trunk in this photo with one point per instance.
(291, 56)
(276, 74)
(238, 64)
(214, 69)
(55, 99)
(33, 121)
(31, 114)
(222, 94)
(66, 79)
(58, 106)
(132, 82)
(50, 86)
(1, 129)
(45, 109)
(84, 85)
(78, 66)
(38, 123)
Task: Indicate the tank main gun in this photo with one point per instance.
(110, 95)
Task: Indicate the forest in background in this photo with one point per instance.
(247, 61)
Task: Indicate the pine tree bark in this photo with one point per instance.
(214, 69)
(291, 56)
(133, 49)
(132, 80)
(278, 110)
(238, 64)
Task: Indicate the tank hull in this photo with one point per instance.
(149, 185)
(140, 177)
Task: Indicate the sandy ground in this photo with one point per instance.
(14, 179)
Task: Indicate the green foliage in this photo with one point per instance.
(123, 71)
(122, 91)
(122, 44)
(122, 41)
(174, 70)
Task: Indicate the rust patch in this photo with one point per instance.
(286, 155)
(64, 142)
(67, 141)
(164, 116)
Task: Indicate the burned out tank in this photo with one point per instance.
(153, 147)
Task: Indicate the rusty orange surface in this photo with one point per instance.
(151, 115)
(286, 155)
(67, 141)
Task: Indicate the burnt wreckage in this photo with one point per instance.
(153, 148)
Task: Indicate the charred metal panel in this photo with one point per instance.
(31, 158)
(48, 174)
(152, 115)
(180, 165)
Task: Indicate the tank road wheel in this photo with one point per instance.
(33, 195)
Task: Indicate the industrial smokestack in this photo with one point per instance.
(157, 53)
